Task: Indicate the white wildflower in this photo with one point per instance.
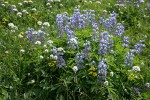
(20, 36)
(141, 1)
(38, 42)
(50, 41)
(46, 24)
(74, 41)
(106, 83)
(46, 50)
(111, 74)
(47, 4)
(147, 85)
(25, 1)
(41, 57)
(60, 49)
(75, 69)
(55, 57)
(22, 50)
(33, 9)
(39, 23)
(45, 46)
(11, 25)
(13, 6)
(19, 14)
(20, 4)
(136, 68)
(6, 52)
(3, 5)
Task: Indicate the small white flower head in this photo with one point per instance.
(106, 83)
(45, 46)
(6, 2)
(136, 68)
(47, 4)
(19, 14)
(41, 57)
(24, 11)
(50, 42)
(75, 69)
(98, 2)
(46, 50)
(39, 23)
(60, 49)
(25, 1)
(104, 11)
(15, 27)
(22, 50)
(30, 1)
(20, 4)
(46, 24)
(33, 9)
(74, 41)
(38, 42)
(34, 32)
(3, 5)
(55, 57)
(141, 1)
(56, 0)
(147, 85)
(20, 36)
(11, 25)
(111, 74)
(61, 5)
(52, 56)
(13, 6)
(15, 9)
(6, 52)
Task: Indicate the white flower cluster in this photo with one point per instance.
(54, 57)
(45, 24)
(75, 69)
(13, 27)
(136, 68)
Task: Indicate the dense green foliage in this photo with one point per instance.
(28, 71)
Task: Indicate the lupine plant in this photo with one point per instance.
(74, 50)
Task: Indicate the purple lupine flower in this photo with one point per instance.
(79, 59)
(95, 32)
(86, 50)
(129, 58)
(112, 19)
(74, 19)
(70, 34)
(102, 71)
(126, 42)
(137, 90)
(120, 29)
(107, 24)
(29, 33)
(148, 6)
(91, 16)
(0, 3)
(105, 43)
(137, 47)
(82, 21)
(94, 35)
(60, 24)
(60, 61)
(101, 20)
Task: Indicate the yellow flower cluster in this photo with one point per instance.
(92, 71)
